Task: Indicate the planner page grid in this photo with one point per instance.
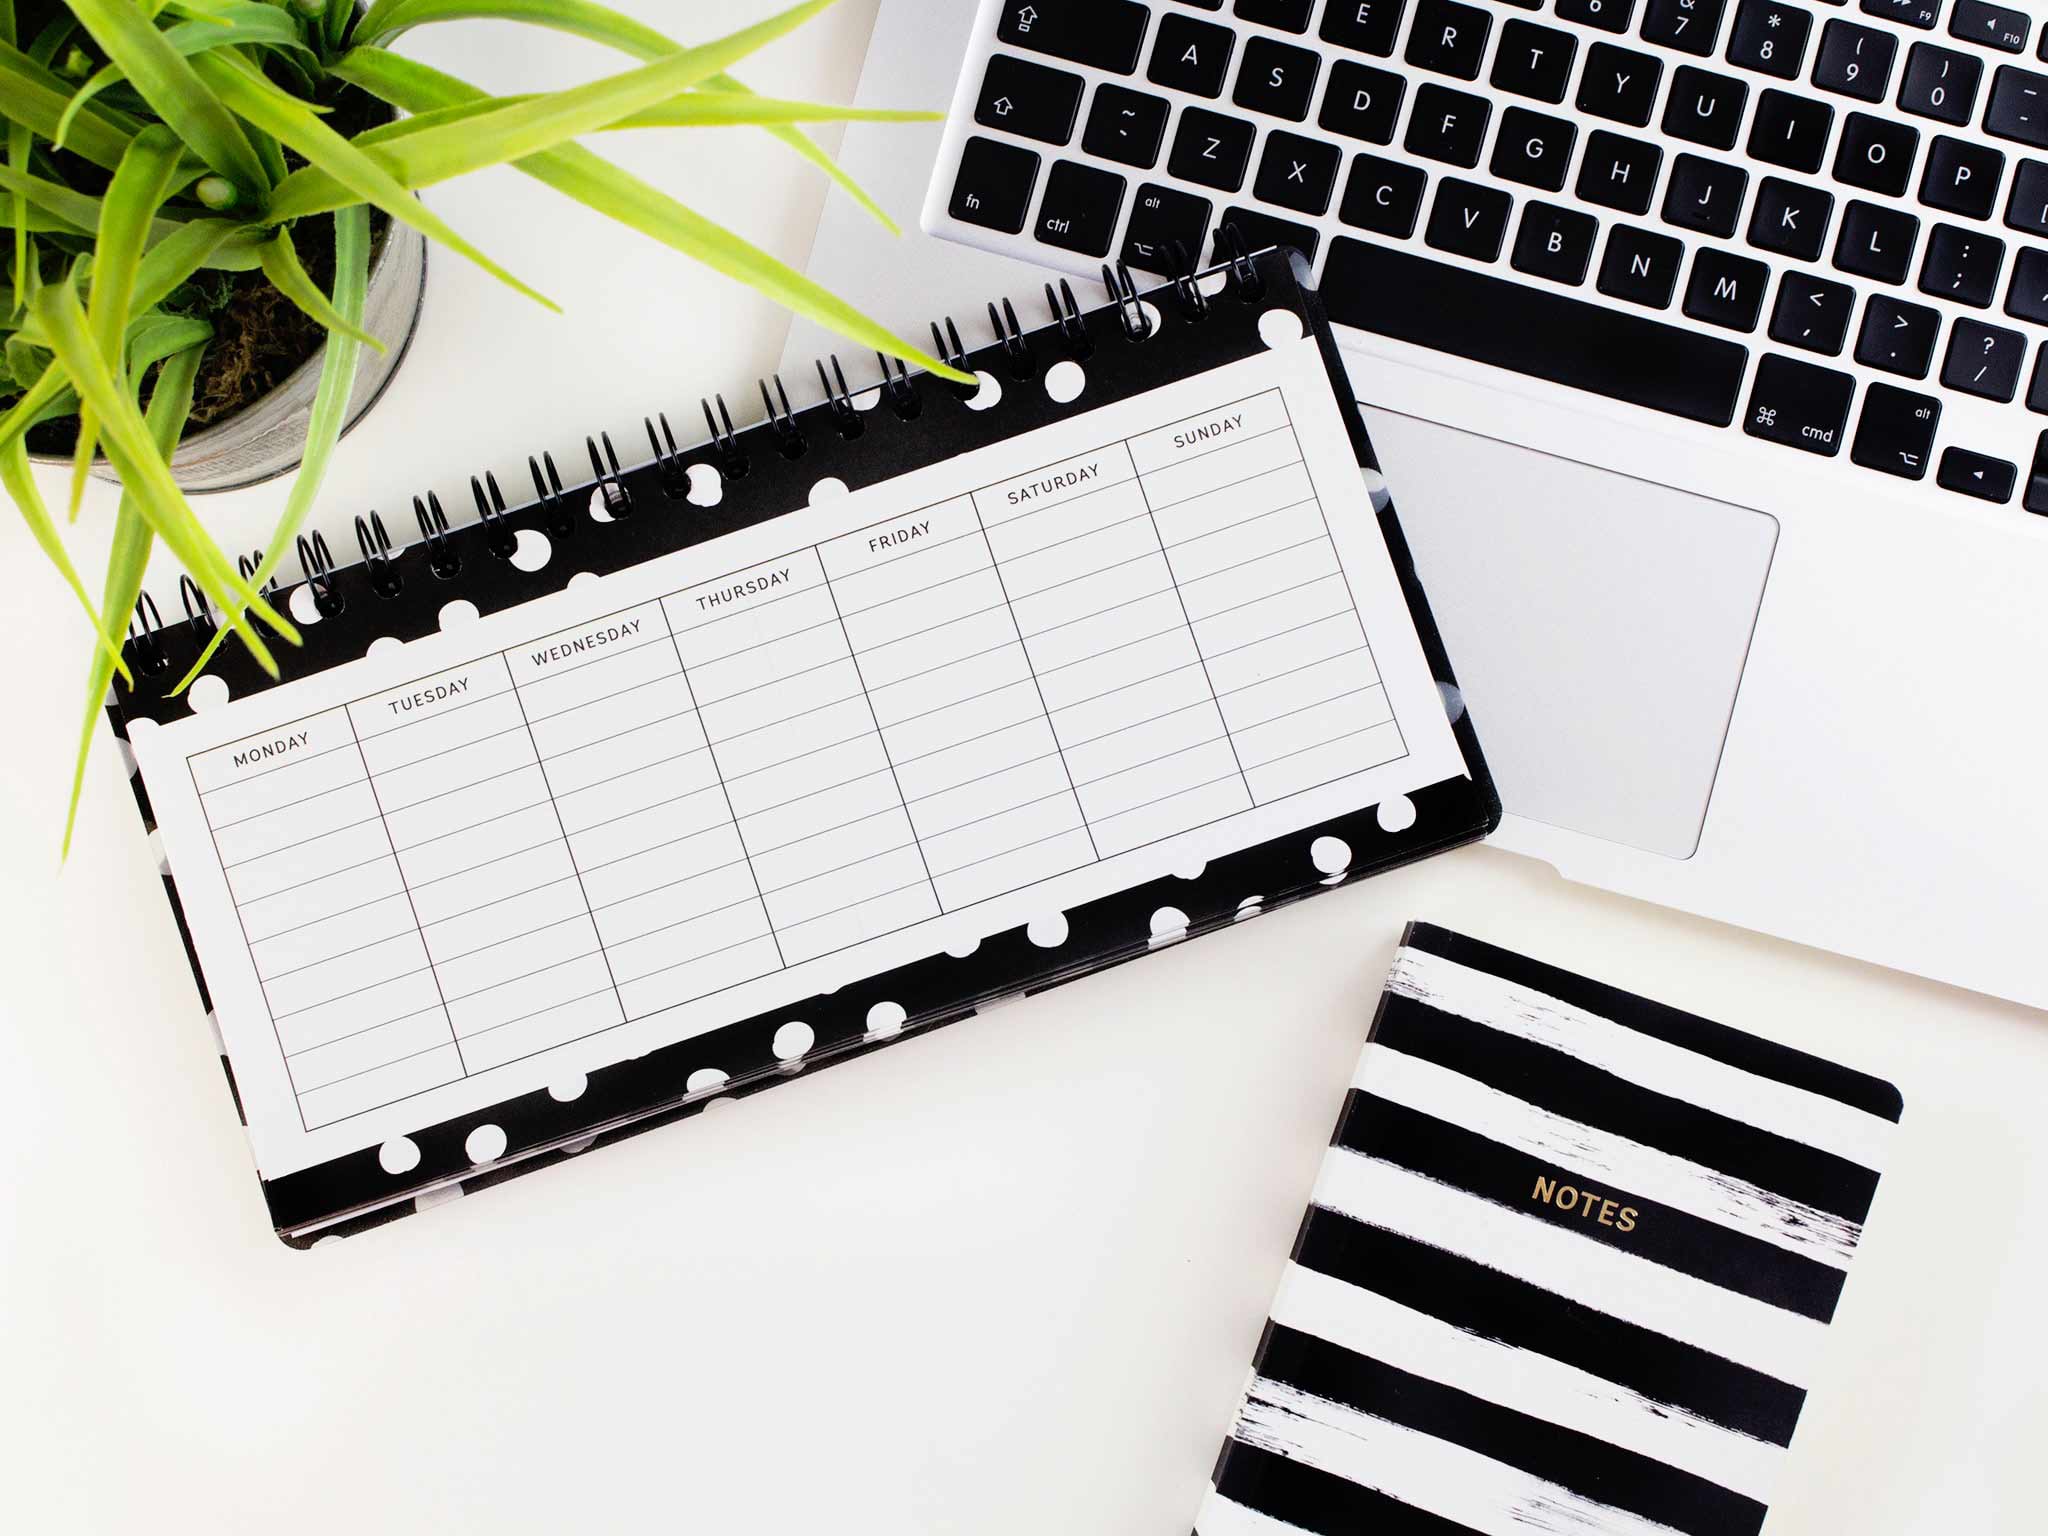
(966, 697)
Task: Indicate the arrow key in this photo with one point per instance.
(1896, 433)
(1975, 474)
(1812, 313)
(1028, 99)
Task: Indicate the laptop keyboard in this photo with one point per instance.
(1808, 220)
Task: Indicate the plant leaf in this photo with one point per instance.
(145, 471)
(174, 90)
(330, 401)
(156, 336)
(687, 109)
(333, 156)
(35, 97)
(541, 122)
(20, 483)
(616, 193)
(169, 404)
(218, 243)
(601, 24)
(238, 22)
(281, 265)
(18, 145)
(146, 175)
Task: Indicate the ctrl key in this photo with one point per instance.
(1799, 405)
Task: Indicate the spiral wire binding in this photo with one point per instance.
(899, 390)
(668, 462)
(443, 559)
(375, 544)
(946, 345)
(547, 490)
(1245, 281)
(1194, 303)
(198, 612)
(499, 538)
(1066, 314)
(789, 438)
(732, 462)
(611, 484)
(317, 565)
(142, 634)
(1124, 294)
(839, 399)
(1016, 350)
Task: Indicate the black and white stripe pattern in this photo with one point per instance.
(1450, 1353)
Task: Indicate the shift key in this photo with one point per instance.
(1799, 404)
(1104, 33)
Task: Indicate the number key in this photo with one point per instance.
(1607, 15)
(1687, 25)
(1940, 83)
(1855, 61)
(1769, 37)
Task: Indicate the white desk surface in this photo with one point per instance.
(1006, 1279)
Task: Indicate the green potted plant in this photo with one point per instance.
(190, 184)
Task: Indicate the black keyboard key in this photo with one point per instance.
(2027, 298)
(1983, 360)
(1297, 173)
(1126, 126)
(1468, 219)
(1896, 432)
(1103, 33)
(1277, 79)
(1790, 218)
(1448, 38)
(1619, 85)
(1876, 242)
(1975, 474)
(1080, 208)
(1283, 15)
(2003, 27)
(1447, 125)
(1210, 149)
(1260, 230)
(1791, 131)
(2035, 497)
(2027, 209)
(1961, 177)
(1705, 108)
(1534, 331)
(1034, 101)
(2019, 106)
(1533, 149)
(1725, 289)
(1855, 61)
(1914, 13)
(1897, 337)
(1799, 405)
(1704, 195)
(1639, 266)
(1362, 102)
(1384, 196)
(1607, 15)
(1812, 313)
(1619, 172)
(1963, 265)
(1534, 61)
(1190, 55)
(1161, 218)
(1876, 154)
(1554, 242)
(1769, 37)
(1940, 83)
(1368, 26)
(1687, 25)
(993, 186)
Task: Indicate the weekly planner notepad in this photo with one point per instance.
(682, 779)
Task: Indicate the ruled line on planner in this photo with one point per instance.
(382, 981)
(471, 826)
(817, 875)
(1178, 794)
(1154, 553)
(1072, 538)
(975, 821)
(328, 917)
(477, 1034)
(890, 602)
(758, 642)
(497, 901)
(603, 698)
(1317, 746)
(1243, 522)
(496, 858)
(1128, 602)
(894, 890)
(809, 794)
(341, 953)
(631, 730)
(1318, 704)
(929, 629)
(990, 858)
(510, 938)
(1247, 564)
(669, 885)
(682, 922)
(300, 885)
(270, 853)
(777, 682)
(840, 826)
(652, 805)
(349, 1077)
(993, 773)
(367, 1029)
(676, 965)
(596, 948)
(1260, 682)
(318, 794)
(641, 853)
(1117, 773)
(461, 789)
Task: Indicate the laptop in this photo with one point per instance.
(1702, 342)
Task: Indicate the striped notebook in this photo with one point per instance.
(1566, 1269)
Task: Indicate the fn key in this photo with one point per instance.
(993, 188)
(1799, 405)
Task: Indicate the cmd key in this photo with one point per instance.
(1103, 33)
(1800, 405)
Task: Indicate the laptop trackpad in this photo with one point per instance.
(1598, 624)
